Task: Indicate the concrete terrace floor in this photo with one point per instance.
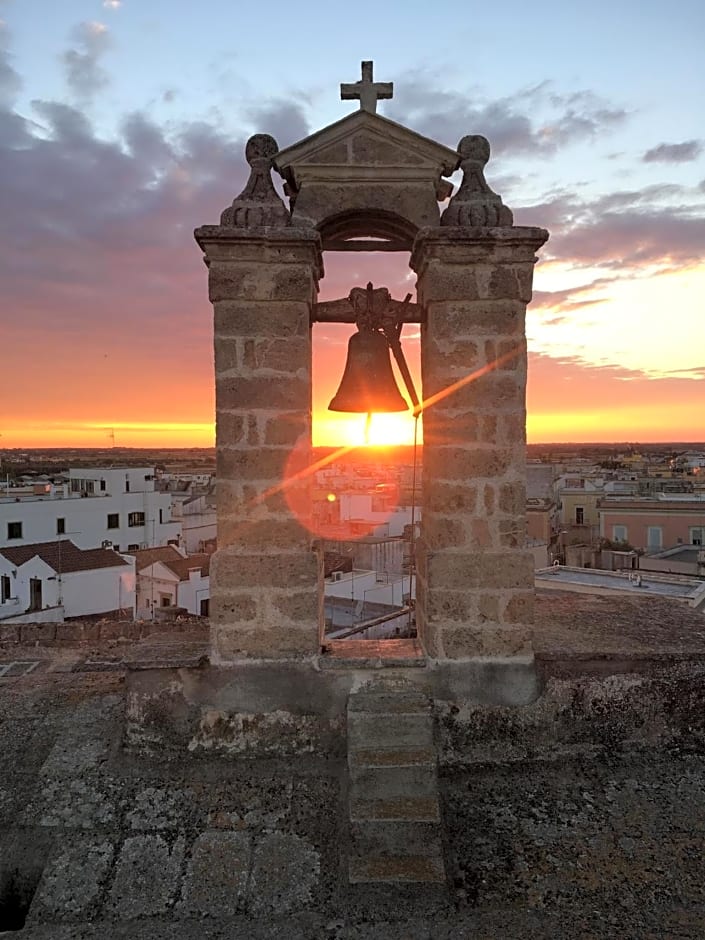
(580, 816)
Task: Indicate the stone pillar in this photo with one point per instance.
(266, 594)
(475, 587)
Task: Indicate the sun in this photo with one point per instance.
(337, 429)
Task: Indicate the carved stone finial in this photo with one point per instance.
(475, 204)
(258, 204)
(367, 90)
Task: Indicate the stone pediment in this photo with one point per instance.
(365, 145)
(371, 170)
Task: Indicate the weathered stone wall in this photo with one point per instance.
(475, 579)
(265, 594)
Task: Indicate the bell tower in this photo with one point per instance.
(367, 183)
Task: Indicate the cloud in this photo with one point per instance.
(84, 74)
(10, 82)
(112, 4)
(656, 225)
(674, 153)
(559, 383)
(556, 120)
(286, 122)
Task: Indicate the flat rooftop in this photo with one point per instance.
(682, 588)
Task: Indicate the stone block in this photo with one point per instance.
(509, 354)
(449, 497)
(458, 463)
(287, 428)
(482, 534)
(265, 281)
(443, 426)
(254, 536)
(246, 393)
(37, 633)
(512, 497)
(511, 569)
(448, 320)
(445, 531)
(10, 632)
(512, 532)
(238, 497)
(525, 277)
(278, 570)
(72, 883)
(486, 640)
(158, 809)
(449, 282)
(448, 605)
(285, 873)
(489, 392)
(297, 605)
(276, 354)
(453, 357)
(147, 877)
(227, 607)
(511, 431)
(273, 319)
(453, 570)
(488, 607)
(503, 284)
(216, 874)
(229, 427)
(230, 642)
(519, 607)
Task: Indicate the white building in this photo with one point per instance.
(371, 587)
(375, 513)
(115, 507)
(199, 523)
(167, 577)
(53, 581)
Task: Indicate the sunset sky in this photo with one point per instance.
(122, 128)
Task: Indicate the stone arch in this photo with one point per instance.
(394, 231)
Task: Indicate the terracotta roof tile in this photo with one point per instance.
(64, 556)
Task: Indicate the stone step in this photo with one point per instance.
(381, 783)
(375, 730)
(394, 869)
(393, 806)
(406, 808)
(398, 838)
(389, 701)
(392, 757)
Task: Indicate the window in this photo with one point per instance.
(113, 520)
(161, 516)
(135, 519)
(75, 486)
(134, 547)
(14, 530)
(102, 486)
(619, 533)
(127, 484)
(60, 526)
(697, 535)
(579, 515)
(654, 537)
(4, 588)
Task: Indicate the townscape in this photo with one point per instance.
(130, 534)
(298, 687)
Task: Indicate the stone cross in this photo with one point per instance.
(367, 90)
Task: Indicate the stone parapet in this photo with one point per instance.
(475, 581)
(266, 597)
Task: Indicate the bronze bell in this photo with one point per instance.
(368, 383)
